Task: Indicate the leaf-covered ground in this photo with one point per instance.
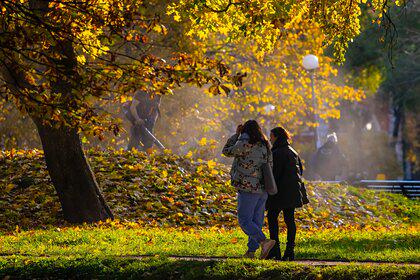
(170, 190)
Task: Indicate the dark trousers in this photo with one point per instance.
(139, 139)
(289, 219)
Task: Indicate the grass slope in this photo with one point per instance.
(171, 190)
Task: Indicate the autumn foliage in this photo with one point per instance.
(102, 51)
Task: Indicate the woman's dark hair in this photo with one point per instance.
(281, 134)
(253, 129)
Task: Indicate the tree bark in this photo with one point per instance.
(405, 143)
(71, 175)
(69, 170)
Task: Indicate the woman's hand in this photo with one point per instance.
(239, 129)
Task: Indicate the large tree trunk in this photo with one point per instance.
(71, 175)
(405, 142)
(69, 170)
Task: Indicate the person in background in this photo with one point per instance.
(250, 149)
(287, 171)
(142, 112)
(329, 163)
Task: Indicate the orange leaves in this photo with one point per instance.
(170, 200)
(129, 37)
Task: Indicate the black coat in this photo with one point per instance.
(287, 171)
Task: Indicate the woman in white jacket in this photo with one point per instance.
(250, 149)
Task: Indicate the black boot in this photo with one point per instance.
(274, 253)
(289, 253)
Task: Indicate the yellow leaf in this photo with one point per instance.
(81, 59)
(203, 141)
(189, 154)
(211, 164)
(9, 187)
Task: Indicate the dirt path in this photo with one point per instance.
(207, 258)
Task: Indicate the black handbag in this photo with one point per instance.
(305, 199)
(302, 188)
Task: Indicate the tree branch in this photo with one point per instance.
(225, 9)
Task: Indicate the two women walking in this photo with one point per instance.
(250, 149)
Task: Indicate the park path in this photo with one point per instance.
(304, 262)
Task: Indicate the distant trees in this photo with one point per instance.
(402, 84)
(393, 72)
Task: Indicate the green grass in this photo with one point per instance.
(385, 245)
(162, 268)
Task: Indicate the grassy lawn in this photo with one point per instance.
(383, 244)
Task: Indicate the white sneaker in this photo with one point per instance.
(266, 247)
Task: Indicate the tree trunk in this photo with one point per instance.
(69, 170)
(405, 143)
(71, 175)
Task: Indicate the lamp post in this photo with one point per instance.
(310, 63)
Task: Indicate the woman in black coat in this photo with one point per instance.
(287, 171)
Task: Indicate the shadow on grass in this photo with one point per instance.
(164, 268)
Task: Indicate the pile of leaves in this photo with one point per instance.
(172, 190)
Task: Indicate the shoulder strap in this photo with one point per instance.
(300, 166)
(293, 150)
(299, 160)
